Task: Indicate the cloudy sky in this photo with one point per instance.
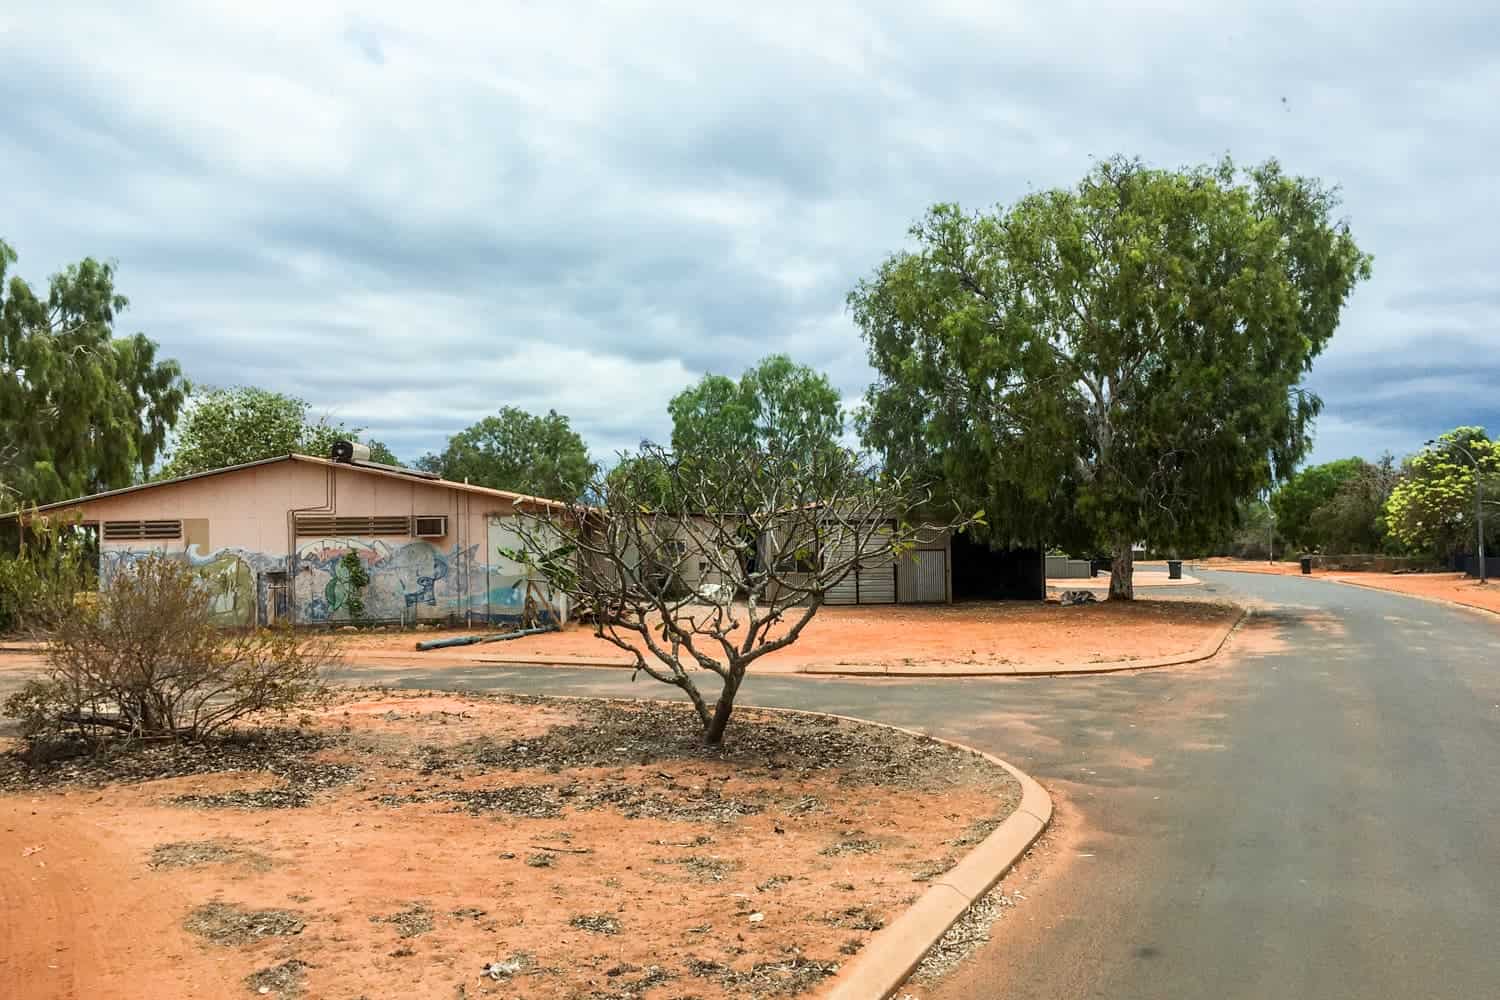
(414, 213)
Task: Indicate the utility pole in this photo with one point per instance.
(1478, 504)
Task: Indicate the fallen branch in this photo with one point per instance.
(471, 640)
(563, 850)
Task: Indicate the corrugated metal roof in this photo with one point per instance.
(370, 469)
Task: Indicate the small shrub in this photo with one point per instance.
(357, 578)
(147, 660)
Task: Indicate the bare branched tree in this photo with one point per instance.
(710, 563)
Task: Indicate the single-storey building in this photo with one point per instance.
(272, 537)
(940, 568)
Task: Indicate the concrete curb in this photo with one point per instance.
(1204, 651)
(894, 953)
(512, 662)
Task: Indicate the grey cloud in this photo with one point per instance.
(411, 218)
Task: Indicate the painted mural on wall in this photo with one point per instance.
(409, 580)
(230, 574)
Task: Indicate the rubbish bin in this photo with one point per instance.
(1174, 569)
(1307, 565)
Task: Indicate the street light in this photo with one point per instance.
(1270, 533)
(1478, 501)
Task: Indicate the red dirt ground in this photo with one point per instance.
(979, 633)
(399, 892)
(1455, 587)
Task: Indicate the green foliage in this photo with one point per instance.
(81, 410)
(1297, 499)
(1353, 519)
(241, 424)
(1432, 508)
(777, 405)
(649, 480)
(516, 451)
(1117, 361)
(145, 659)
(380, 453)
(355, 578)
(40, 583)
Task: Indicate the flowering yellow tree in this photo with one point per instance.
(1433, 507)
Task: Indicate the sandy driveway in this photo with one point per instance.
(976, 633)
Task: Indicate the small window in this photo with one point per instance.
(123, 531)
(430, 525)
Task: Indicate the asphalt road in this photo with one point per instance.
(1315, 814)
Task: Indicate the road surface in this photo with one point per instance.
(1314, 815)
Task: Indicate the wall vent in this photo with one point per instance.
(122, 531)
(326, 525)
(430, 525)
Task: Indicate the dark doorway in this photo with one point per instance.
(981, 573)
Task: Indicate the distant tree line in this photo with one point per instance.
(1423, 505)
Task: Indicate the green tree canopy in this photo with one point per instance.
(1432, 507)
(1113, 362)
(1353, 519)
(230, 426)
(778, 404)
(1298, 499)
(81, 410)
(515, 450)
(380, 453)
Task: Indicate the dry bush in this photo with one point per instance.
(147, 660)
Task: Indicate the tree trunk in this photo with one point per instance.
(713, 735)
(1122, 573)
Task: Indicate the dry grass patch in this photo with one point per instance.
(230, 924)
(283, 980)
(194, 853)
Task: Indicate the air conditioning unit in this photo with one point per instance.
(430, 526)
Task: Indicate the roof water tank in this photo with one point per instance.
(349, 451)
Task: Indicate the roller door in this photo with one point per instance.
(922, 577)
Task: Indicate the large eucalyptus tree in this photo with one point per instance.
(81, 410)
(1117, 361)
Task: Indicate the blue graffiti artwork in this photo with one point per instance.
(426, 592)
